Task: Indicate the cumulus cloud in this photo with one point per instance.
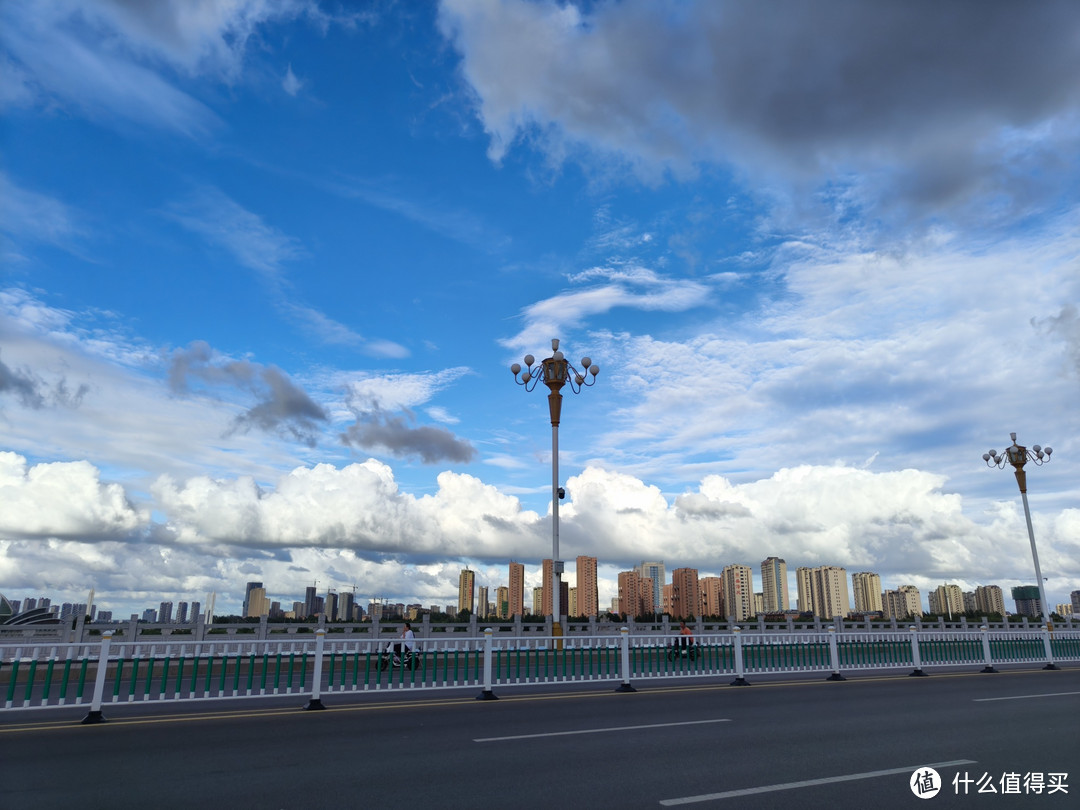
(358, 507)
(62, 500)
(931, 107)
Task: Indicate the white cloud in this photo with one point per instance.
(353, 525)
(65, 500)
(634, 288)
(27, 214)
(357, 507)
(394, 392)
(227, 224)
(57, 63)
(290, 84)
(121, 61)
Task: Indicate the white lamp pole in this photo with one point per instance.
(556, 372)
(1017, 455)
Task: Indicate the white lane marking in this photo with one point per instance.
(828, 780)
(1024, 697)
(596, 730)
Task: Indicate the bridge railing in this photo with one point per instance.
(52, 675)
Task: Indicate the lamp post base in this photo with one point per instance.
(556, 632)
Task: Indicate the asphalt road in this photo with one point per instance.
(858, 742)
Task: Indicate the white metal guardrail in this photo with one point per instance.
(50, 675)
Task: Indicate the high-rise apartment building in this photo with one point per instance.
(196, 611)
(866, 586)
(1028, 602)
(346, 607)
(774, 590)
(547, 577)
(946, 600)
(588, 595)
(712, 596)
(738, 592)
(805, 602)
(654, 570)
(685, 593)
(258, 604)
(538, 602)
(517, 589)
(165, 612)
(181, 613)
(1074, 598)
(572, 606)
(482, 601)
(903, 603)
(630, 593)
(247, 593)
(502, 602)
(990, 599)
(311, 602)
(823, 591)
(330, 606)
(466, 590)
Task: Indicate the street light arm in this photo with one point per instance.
(1017, 455)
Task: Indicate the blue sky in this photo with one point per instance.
(265, 266)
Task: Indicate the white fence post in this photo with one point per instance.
(985, 632)
(834, 656)
(95, 716)
(624, 659)
(316, 687)
(487, 694)
(1049, 650)
(740, 680)
(915, 652)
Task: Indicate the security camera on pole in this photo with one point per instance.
(556, 371)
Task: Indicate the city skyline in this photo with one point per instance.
(817, 589)
(264, 269)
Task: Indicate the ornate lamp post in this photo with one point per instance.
(1018, 456)
(556, 371)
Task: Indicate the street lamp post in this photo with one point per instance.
(1017, 455)
(556, 371)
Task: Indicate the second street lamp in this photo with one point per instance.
(1017, 455)
(556, 371)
